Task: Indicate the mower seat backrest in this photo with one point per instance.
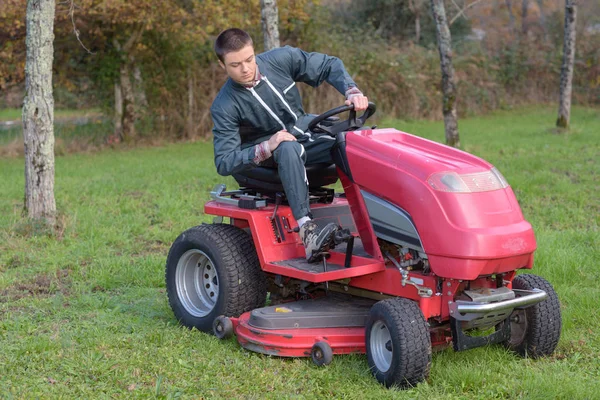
(267, 179)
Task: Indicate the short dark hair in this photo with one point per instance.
(232, 39)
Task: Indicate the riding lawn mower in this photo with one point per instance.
(426, 256)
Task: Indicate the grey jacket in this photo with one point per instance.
(244, 117)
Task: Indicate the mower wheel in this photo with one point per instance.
(535, 331)
(213, 270)
(321, 354)
(222, 327)
(398, 343)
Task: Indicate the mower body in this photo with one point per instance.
(434, 235)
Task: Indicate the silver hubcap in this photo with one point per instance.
(381, 346)
(197, 283)
(518, 327)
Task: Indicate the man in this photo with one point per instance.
(259, 120)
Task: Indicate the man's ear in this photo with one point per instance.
(221, 64)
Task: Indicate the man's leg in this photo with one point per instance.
(290, 158)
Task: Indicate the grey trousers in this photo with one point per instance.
(290, 159)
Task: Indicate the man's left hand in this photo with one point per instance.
(360, 102)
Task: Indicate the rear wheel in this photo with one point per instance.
(535, 331)
(398, 343)
(213, 270)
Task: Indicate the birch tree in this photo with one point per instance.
(38, 112)
(448, 80)
(270, 23)
(566, 72)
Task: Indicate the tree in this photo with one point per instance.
(566, 72)
(415, 8)
(270, 23)
(448, 80)
(38, 112)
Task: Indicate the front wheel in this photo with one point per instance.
(535, 331)
(213, 270)
(398, 343)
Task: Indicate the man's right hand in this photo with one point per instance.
(281, 136)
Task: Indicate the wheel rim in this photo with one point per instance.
(318, 354)
(381, 346)
(518, 327)
(197, 283)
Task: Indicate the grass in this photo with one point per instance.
(85, 315)
(14, 114)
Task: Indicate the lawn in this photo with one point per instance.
(14, 114)
(86, 315)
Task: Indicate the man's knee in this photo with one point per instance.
(288, 151)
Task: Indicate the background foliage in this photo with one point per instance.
(503, 57)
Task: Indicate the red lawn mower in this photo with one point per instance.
(426, 256)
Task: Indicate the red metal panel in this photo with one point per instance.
(465, 226)
(298, 342)
(361, 216)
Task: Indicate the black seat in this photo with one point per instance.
(267, 179)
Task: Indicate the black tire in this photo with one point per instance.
(321, 354)
(222, 327)
(213, 270)
(398, 343)
(535, 330)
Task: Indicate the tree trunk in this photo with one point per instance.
(566, 72)
(118, 133)
(524, 12)
(127, 90)
(448, 80)
(270, 23)
(140, 93)
(417, 27)
(129, 114)
(415, 8)
(38, 112)
(511, 16)
(540, 4)
(190, 116)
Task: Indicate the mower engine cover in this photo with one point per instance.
(465, 214)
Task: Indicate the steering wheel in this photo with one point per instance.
(350, 124)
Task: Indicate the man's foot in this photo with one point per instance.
(316, 239)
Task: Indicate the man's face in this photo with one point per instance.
(240, 65)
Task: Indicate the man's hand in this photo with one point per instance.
(360, 102)
(281, 136)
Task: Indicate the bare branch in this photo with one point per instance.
(75, 30)
(462, 11)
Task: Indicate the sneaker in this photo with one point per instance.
(316, 239)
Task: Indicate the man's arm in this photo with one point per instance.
(230, 158)
(315, 68)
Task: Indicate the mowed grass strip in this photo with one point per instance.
(85, 314)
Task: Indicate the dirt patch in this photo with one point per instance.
(152, 247)
(573, 177)
(42, 285)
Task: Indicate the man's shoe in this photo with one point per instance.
(316, 239)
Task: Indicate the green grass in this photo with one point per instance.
(86, 315)
(14, 114)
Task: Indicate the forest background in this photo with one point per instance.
(150, 65)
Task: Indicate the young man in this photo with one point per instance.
(259, 120)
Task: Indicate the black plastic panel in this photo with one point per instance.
(327, 312)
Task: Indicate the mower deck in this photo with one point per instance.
(292, 329)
